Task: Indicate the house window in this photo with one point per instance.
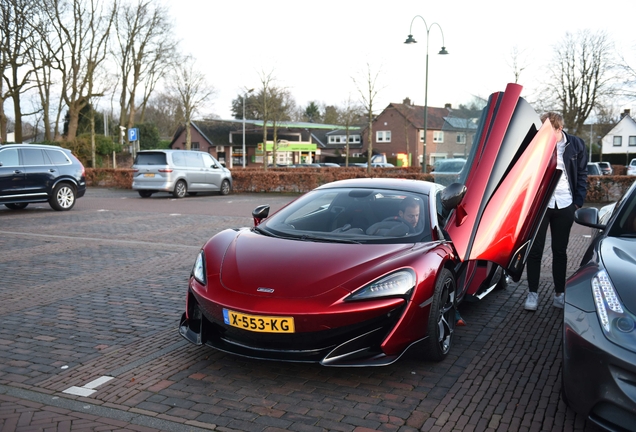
(383, 136)
(632, 141)
(461, 138)
(332, 139)
(438, 136)
(618, 141)
(195, 146)
(354, 138)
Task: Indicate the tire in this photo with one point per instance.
(503, 281)
(16, 206)
(441, 319)
(225, 187)
(145, 193)
(180, 189)
(63, 197)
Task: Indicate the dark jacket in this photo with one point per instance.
(575, 161)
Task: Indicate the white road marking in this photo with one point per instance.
(88, 389)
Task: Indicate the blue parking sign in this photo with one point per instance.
(133, 134)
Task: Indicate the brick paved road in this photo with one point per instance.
(98, 292)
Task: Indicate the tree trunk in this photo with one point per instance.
(188, 143)
(17, 113)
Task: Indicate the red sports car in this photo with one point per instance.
(357, 271)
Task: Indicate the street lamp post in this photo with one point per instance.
(410, 40)
(244, 95)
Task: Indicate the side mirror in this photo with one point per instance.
(588, 216)
(260, 213)
(452, 195)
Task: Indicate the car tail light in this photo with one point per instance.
(167, 170)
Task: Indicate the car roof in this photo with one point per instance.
(406, 185)
(22, 145)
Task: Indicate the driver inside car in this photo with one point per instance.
(406, 222)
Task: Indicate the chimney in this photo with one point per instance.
(448, 106)
(626, 113)
(406, 101)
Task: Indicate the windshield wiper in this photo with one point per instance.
(305, 237)
(267, 233)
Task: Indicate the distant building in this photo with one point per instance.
(621, 139)
(398, 132)
(223, 139)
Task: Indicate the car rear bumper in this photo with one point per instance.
(599, 377)
(162, 186)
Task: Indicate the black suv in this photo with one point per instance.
(31, 173)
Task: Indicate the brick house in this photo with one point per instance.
(399, 129)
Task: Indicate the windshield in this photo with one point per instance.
(353, 215)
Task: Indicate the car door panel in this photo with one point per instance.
(213, 173)
(511, 174)
(12, 175)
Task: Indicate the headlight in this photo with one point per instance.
(198, 271)
(617, 323)
(396, 284)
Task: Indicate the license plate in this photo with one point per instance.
(259, 323)
(149, 175)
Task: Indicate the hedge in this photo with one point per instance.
(600, 189)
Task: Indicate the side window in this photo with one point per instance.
(193, 160)
(33, 157)
(57, 157)
(208, 162)
(178, 158)
(9, 158)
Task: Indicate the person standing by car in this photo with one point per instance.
(567, 197)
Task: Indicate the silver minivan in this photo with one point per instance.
(179, 172)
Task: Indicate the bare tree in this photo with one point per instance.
(367, 88)
(145, 49)
(629, 76)
(581, 76)
(165, 111)
(191, 89)
(263, 104)
(281, 105)
(518, 62)
(17, 39)
(82, 27)
(349, 115)
(43, 58)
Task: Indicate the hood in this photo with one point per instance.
(297, 269)
(619, 259)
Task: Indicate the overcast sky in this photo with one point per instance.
(315, 48)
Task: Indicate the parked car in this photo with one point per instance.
(33, 173)
(307, 165)
(593, 168)
(606, 168)
(336, 277)
(599, 319)
(179, 172)
(631, 168)
(329, 165)
(447, 171)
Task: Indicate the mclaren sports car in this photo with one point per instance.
(356, 272)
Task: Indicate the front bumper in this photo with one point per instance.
(354, 345)
(599, 377)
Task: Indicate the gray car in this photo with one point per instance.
(179, 172)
